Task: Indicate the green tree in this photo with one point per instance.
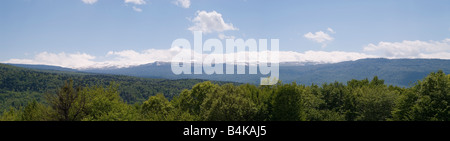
(11, 115)
(287, 104)
(335, 96)
(105, 104)
(260, 96)
(433, 98)
(157, 108)
(67, 103)
(376, 82)
(404, 106)
(191, 100)
(35, 111)
(315, 106)
(374, 103)
(228, 103)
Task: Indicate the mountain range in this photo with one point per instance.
(399, 72)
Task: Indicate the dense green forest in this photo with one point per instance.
(18, 86)
(357, 100)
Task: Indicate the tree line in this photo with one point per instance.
(357, 100)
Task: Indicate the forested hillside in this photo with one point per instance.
(355, 100)
(18, 85)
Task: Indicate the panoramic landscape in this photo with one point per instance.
(240, 60)
(50, 94)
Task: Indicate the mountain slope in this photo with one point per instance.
(400, 72)
(20, 85)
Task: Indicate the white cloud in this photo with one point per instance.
(89, 1)
(411, 49)
(209, 22)
(117, 59)
(319, 37)
(127, 58)
(322, 56)
(183, 3)
(75, 60)
(331, 30)
(137, 2)
(137, 9)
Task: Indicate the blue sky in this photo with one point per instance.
(93, 32)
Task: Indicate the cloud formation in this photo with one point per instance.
(321, 57)
(331, 30)
(182, 3)
(74, 60)
(411, 49)
(127, 58)
(89, 1)
(209, 22)
(118, 59)
(137, 2)
(320, 37)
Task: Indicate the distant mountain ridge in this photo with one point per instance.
(400, 72)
